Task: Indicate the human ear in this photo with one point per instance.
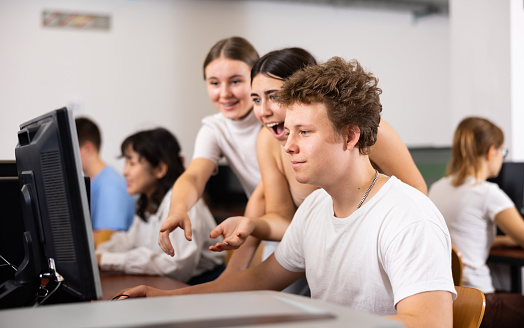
(352, 136)
(492, 151)
(161, 170)
(87, 147)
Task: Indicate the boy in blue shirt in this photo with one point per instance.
(112, 208)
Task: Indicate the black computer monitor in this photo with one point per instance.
(11, 221)
(511, 181)
(8, 168)
(58, 241)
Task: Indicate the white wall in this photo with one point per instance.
(517, 77)
(146, 70)
(480, 66)
(487, 67)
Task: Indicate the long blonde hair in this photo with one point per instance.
(473, 138)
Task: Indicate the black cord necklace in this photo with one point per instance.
(369, 189)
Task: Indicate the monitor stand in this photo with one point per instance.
(23, 289)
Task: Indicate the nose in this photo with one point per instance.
(225, 90)
(264, 109)
(290, 146)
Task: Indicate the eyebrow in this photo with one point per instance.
(296, 126)
(236, 76)
(268, 92)
(231, 77)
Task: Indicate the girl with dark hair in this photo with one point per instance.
(231, 134)
(474, 207)
(153, 163)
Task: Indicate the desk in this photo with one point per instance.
(255, 309)
(514, 257)
(112, 282)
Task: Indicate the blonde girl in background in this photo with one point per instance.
(474, 207)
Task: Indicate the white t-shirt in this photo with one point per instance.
(236, 141)
(136, 251)
(469, 211)
(396, 245)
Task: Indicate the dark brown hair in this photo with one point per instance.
(351, 96)
(156, 146)
(87, 130)
(282, 63)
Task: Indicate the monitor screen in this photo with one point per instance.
(8, 168)
(511, 181)
(58, 240)
(11, 228)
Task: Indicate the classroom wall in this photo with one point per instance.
(146, 70)
(487, 66)
(516, 19)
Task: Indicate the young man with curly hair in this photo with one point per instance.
(364, 240)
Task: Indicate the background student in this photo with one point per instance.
(365, 240)
(282, 192)
(112, 208)
(153, 163)
(474, 207)
(231, 134)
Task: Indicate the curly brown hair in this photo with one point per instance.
(351, 96)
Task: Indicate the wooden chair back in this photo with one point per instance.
(468, 308)
(456, 266)
(257, 258)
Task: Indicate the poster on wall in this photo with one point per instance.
(75, 20)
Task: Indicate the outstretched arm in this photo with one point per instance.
(279, 205)
(392, 157)
(237, 228)
(187, 190)
(242, 257)
(280, 208)
(268, 275)
(511, 223)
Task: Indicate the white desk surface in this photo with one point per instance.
(241, 309)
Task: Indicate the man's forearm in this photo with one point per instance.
(242, 257)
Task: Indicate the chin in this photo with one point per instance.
(302, 180)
